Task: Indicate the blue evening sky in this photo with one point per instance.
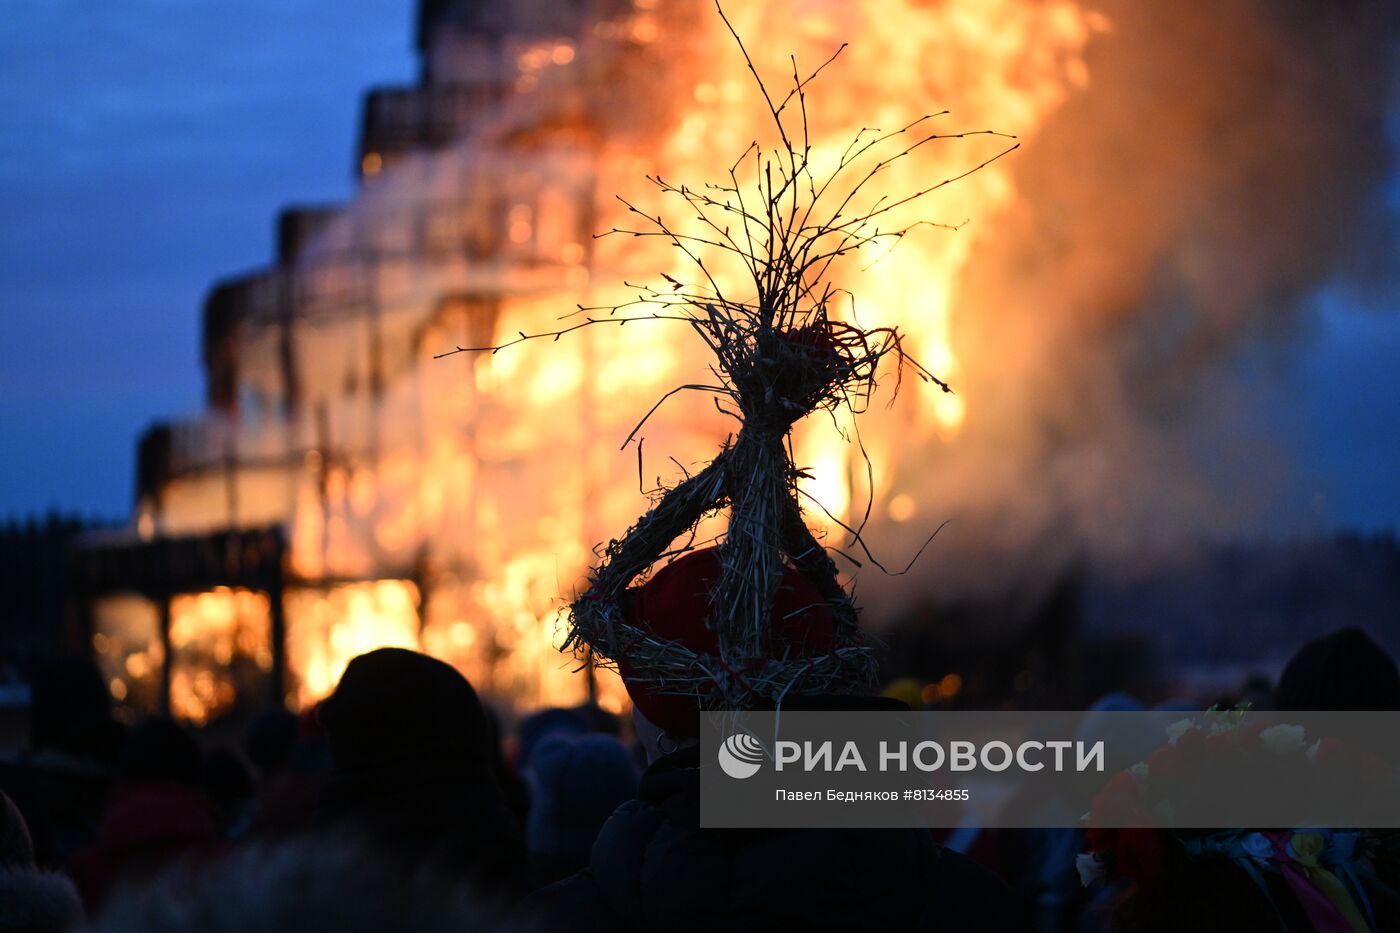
(145, 148)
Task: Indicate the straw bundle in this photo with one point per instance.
(779, 356)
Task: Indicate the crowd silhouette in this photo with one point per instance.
(399, 803)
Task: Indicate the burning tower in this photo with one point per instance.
(341, 492)
(1180, 191)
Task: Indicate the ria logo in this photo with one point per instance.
(741, 755)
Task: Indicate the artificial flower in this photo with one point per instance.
(1091, 868)
(1284, 739)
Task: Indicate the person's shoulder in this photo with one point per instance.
(572, 903)
(628, 831)
(38, 900)
(580, 900)
(964, 897)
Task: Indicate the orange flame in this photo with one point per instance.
(486, 479)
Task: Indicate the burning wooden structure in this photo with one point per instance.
(293, 524)
(342, 490)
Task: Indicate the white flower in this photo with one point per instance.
(1179, 728)
(1139, 770)
(1090, 868)
(1283, 739)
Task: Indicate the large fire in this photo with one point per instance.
(452, 504)
(458, 499)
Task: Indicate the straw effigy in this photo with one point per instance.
(779, 356)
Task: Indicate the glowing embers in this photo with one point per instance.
(127, 644)
(508, 653)
(507, 649)
(328, 627)
(504, 633)
(220, 652)
(221, 649)
(534, 58)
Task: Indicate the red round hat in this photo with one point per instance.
(675, 605)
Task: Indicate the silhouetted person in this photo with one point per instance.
(158, 813)
(291, 764)
(229, 785)
(308, 884)
(542, 724)
(512, 784)
(62, 781)
(269, 739)
(414, 771)
(31, 901)
(1342, 671)
(576, 782)
(654, 868)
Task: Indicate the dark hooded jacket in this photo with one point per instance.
(653, 868)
